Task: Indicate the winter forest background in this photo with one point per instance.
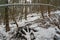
(29, 19)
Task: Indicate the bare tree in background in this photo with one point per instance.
(25, 10)
(13, 17)
(48, 1)
(42, 11)
(7, 18)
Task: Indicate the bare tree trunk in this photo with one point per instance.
(25, 11)
(13, 17)
(41, 7)
(21, 13)
(14, 20)
(48, 8)
(7, 18)
(48, 11)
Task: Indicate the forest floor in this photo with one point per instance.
(46, 29)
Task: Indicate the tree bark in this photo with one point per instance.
(48, 8)
(13, 17)
(41, 7)
(7, 18)
(25, 11)
(48, 11)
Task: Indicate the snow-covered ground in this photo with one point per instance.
(34, 19)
